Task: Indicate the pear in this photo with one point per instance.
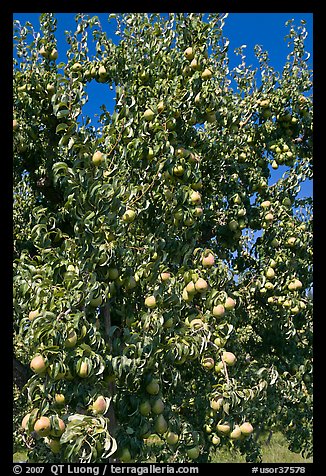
(236, 433)
(53, 55)
(148, 115)
(160, 425)
(246, 428)
(153, 387)
(189, 53)
(150, 302)
(223, 428)
(201, 285)
(99, 406)
(218, 311)
(42, 426)
(229, 304)
(129, 216)
(206, 74)
(158, 407)
(208, 260)
(97, 158)
(229, 358)
(38, 364)
(145, 408)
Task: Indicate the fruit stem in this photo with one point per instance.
(63, 314)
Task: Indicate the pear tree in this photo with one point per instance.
(162, 279)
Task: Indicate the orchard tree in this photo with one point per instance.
(161, 275)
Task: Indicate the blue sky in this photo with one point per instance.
(265, 29)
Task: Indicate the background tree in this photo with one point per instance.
(160, 280)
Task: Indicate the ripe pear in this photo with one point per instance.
(38, 364)
(216, 404)
(206, 74)
(201, 285)
(102, 71)
(43, 52)
(194, 64)
(195, 198)
(59, 399)
(165, 276)
(186, 296)
(99, 406)
(269, 217)
(216, 440)
(223, 428)
(190, 288)
(298, 284)
(198, 211)
(196, 323)
(198, 99)
(150, 302)
(270, 273)
(178, 170)
(76, 67)
(15, 124)
(229, 303)
(33, 314)
(229, 358)
(208, 260)
(291, 241)
(97, 158)
(42, 426)
(236, 433)
(189, 53)
(50, 89)
(24, 422)
(219, 367)
(160, 107)
(218, 311)
(208, 363)
(246, 428)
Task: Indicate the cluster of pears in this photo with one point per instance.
(218, 427)
(196, 64)
(193, 287)
(48, 52)
(50, 428)
(284, 154)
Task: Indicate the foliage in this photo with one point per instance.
(106, 217)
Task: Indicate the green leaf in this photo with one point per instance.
(61, 127)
